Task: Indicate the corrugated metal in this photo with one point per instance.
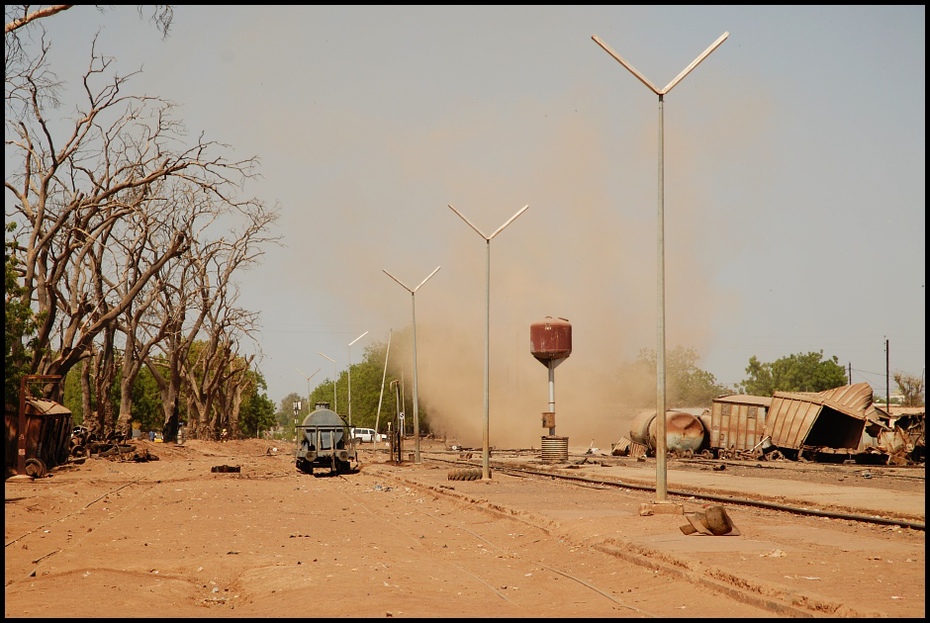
(790, 419)
(853, 400)
(738, 422)
(833, 418)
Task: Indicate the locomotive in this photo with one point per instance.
(325, 442)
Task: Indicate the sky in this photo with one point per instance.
(793, 194)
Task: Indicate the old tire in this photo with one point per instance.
(468, 473)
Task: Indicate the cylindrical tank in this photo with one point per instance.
(683, 431)
(639, 429)
(551, 339)
(328, 420)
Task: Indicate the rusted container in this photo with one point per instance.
(551, 339)
(833, 419)
(737, 422)
(683, 431)
(639, 429)
(48, 427)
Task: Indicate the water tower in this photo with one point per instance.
(551, 344)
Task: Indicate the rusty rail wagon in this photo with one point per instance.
(44, 441)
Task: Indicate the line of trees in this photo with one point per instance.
(687, 384)
(370, 406)
(122, 244)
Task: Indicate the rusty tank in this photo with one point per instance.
(684, 432)
(551, 339)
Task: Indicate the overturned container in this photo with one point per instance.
(684, 432)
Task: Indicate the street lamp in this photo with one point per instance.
(416, 413)
(485, 469)
(308, 381)
(661, 441)
(334, 381)
(350, 373)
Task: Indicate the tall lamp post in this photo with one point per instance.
(416, 413)
(661, 441)
(335, 407)
(350, 373)
(308, 381)
(485, 465)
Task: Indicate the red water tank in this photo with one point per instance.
(551, 339)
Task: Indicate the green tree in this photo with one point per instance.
(285, 415)
(19, 326)
(796, 373)
(256, 413)
(686, 384)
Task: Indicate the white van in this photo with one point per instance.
(367, 435)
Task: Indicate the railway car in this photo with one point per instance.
(325, 442)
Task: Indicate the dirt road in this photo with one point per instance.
(171, 538)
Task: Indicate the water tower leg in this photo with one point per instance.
(552, 396)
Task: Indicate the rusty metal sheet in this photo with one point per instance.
(790, 419)
(834, 418)
(852, 400)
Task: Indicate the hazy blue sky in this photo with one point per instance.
(794, 183)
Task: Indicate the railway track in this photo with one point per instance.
(524, 469)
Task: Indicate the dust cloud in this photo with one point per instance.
(585, 250)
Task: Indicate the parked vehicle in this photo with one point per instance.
(367, 435)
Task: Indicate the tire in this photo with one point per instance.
(465, 474)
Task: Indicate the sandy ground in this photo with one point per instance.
(172, 538)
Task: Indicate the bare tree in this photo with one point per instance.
(198, 306)
(143, 324)
(122, 156)
(218, 370)
(912, 387)
(21, 15)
